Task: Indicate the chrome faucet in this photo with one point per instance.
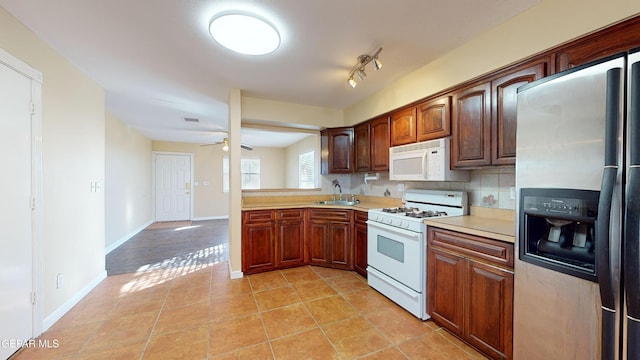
(337, 184)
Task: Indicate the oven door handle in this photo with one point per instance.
(402, 232)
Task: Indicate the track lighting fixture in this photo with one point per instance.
(363, 61)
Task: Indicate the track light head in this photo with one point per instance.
(362, 74)
(359, 69)
(377, 63)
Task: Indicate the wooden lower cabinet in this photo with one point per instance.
(360, 242)
(277, 239)
(445, 289)
(290, 238)
(329, 242)
(489, 304)
(272, 239)
(470, 289)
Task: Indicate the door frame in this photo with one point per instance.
(37, 284)
(153, 179)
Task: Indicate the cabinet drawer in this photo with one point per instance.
(290, 214)
(360, 216)
(472, 246)
(330, 214)
(256, 216)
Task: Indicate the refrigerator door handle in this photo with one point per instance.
(603, 241)
(631, 239)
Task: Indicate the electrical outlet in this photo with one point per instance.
(512, 192)
(401, 187)
(59, 281)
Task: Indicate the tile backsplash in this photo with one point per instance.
(487, 187)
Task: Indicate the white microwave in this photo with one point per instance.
(424, 161)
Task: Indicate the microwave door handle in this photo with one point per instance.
(425, 164)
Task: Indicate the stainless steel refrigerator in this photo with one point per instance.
(577, 279)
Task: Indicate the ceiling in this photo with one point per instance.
(158, 64)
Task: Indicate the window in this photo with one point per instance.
(250, 170)
(307, 176)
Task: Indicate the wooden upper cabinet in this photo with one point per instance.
(362, 141)
(612, 40)
(403, 127)
(380, 140)
(434, 119)
(471, 142)
(504, 101)
(337, 151)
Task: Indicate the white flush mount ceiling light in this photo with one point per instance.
(245, 34)
(363, 61)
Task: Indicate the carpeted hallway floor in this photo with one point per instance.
(171, 244)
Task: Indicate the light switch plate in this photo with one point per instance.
(512, 192)
(400, 187)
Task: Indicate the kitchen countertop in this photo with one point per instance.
(309, 201)
(497, 224)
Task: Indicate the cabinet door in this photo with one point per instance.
(318, 245)
(610, 41)
(434, 119)
(504, 103)
(337, 151)
(489, 304)
(403, 127)
(340, 245)
(362, 143)
(380, 139)
(258, 247)
(360, 243)
(290, 235)
(341, 151)
(445, 289)
(471, 143)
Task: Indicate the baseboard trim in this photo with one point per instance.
(62, 310)
(210, 218)
(126, 238)
(234, 274)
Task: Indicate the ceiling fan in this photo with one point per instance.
(208, 132)
(225, 147)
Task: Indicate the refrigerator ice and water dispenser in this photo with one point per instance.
(558, 230)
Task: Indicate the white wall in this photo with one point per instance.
(292, 156)
(209, 201)
(272, 166)
(128, 182)
(73, 145)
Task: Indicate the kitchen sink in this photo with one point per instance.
(338, 202)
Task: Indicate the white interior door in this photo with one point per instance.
(172, 187)
(16, 257)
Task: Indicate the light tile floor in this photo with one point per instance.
(199, 313)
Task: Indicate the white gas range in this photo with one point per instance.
(397, 246)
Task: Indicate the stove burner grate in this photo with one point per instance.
(414, 212)
(400, 210)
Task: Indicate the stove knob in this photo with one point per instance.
(389, 221)
(405, 225)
